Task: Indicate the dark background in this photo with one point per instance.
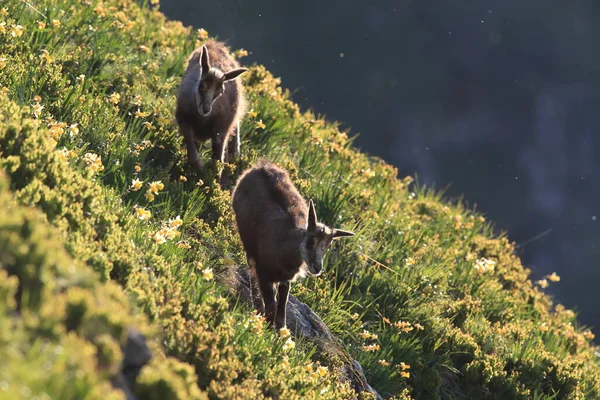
(496, 99)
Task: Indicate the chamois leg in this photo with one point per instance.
(233, 147)
(192, 152)
(268, 293)
(282, 298)
(257, 300)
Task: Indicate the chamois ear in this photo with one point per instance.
(312, 216)
(234, 74)
(204, 61)
(339, 233)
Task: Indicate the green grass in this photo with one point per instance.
(411, 297)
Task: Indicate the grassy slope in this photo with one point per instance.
(411, 297)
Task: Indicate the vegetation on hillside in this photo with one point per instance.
(103, 226)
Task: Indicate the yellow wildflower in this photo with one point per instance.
(137, 168)
(73, 130)
(355, 316)
(403, 326)
(149, 196)
(200, 182)
(41, 24)
(322, 371)
(543, 283)
(4, 11)
(136, 185)
(383, 363)
(114, 98)
(2, 62)
(410, 261)
(386, 320)
(370, 347)
(156, 186)
(37, 110)
(260, 124)
(80, 78)
(405, 374)
(2, 27)
(182, 178)
(553, 277)
(143, 48)
(140, 114)
(207, 274)
(142, 213)
(252, 113)
(159, 238)
(289, 344)
(588, 335)
(56, 129)
(202, 34)
(484, 265)
(16, 30)
(284, 332)
(183, 245)
(285, 362)
(154, 2)
(56, 23)
(367, 335)
(419, 327)
(404, 366)
(241, 53)
(176, 223)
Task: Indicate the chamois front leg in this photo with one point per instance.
(257, 300)
(233, 147)
(282, 298)
(268, 293)
(193, 157)
(218, 154)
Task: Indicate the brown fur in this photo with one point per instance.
(222, 124)
(274, 223)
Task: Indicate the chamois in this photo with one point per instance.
(281, 236)
(210, 102)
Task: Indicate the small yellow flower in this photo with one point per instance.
(370, 347)
(149, 196)
(207, 274)
(176, 223)
(252, 113)
(56, 129)
(73, 130)
(383, 363)
(260, 124)
(93, 161)
(41, 24)
(200, 182)
(355, 316)
(404, 366)
(182, 178)
(159, 238)
(484, 265)
(156, 186)
(202, 34)
(37, 98)
(144, 49)
(37, 110)
(4, 91)
(136, 185)
(141, 114)
(284, 332)
(56, 23)
(241, 53)
(142, 213)
(405, 374)
(543, 283)
(289, 344)
(322, 371)
(80, 78)
(588, 335)
(154, 2)
(419, 327)
(285, 362)
(16, 30)
(553, 277)
(149, 125)
(2, 27)
(543, 327)
(114, 98)
(410, 261)
(183, 245)
(4, 11)
(367, 335)
(137, 168)
(2, 62)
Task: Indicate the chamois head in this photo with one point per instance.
(212, 81)
(317, 240)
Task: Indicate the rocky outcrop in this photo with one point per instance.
(303, 321)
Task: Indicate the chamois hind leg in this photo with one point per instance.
(233, 147)
(268, 293)
(257, 300)
(282, 298)
(193, 157)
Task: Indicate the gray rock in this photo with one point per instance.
(301, 320)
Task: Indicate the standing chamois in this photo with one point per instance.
(281, 236)
(210, 102)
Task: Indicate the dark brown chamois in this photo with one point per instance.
(281, 236)
(210, 102)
